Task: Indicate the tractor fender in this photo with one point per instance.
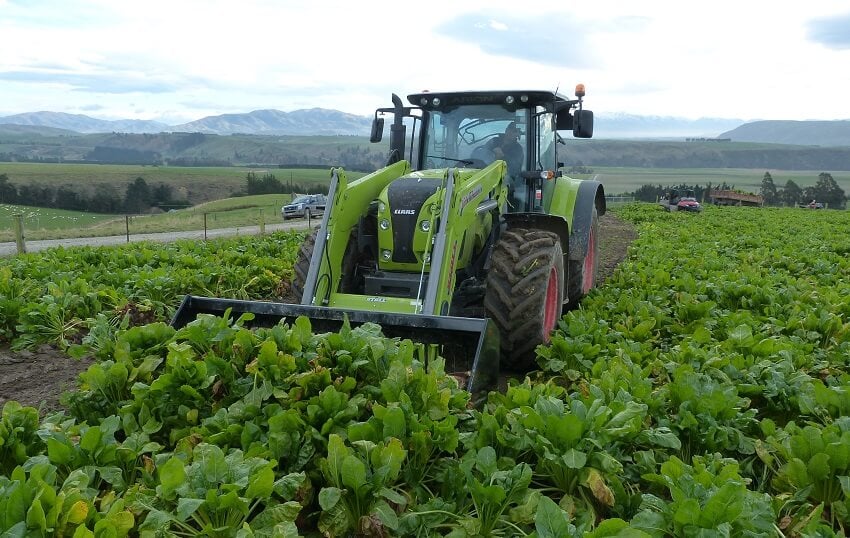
(542, 221)
(590, 195)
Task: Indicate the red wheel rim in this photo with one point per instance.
(588, 275)
(552, 308)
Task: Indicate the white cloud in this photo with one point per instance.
(181, 60)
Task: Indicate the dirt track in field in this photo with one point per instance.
(39, 377)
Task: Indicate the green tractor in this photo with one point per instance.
(470, 235)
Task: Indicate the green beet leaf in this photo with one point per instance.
(551, 521)
(172, 475)
(574, 459)
(329, 497)
(615, 527)
(726, 505)
(261, 484)
(186, 507)
(353, 472)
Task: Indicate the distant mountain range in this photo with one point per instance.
(314, 121)
(320, 121)
(80, 123)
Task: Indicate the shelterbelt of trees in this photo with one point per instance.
(138, 197)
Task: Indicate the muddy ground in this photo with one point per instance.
(38, 377)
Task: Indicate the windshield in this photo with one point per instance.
(475, 133)
(301, 200)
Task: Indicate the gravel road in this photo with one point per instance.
(10, 249)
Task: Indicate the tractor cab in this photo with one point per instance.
(473, 129)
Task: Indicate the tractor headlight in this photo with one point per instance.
(425, 225)
(386, 255)
(509, 100)
(381, 207)
(427, 257)
(385, 224)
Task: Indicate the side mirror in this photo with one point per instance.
(564, 121)
(583, 124)
(377, 130)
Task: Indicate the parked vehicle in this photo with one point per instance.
(305, 206)
(672, 201)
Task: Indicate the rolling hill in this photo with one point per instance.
(806, 133)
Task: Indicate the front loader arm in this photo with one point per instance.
(468, 196)
(348, 202)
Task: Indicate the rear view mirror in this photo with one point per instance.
(564, 121)
(583, 124)
(377, 130)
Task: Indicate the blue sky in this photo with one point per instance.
(180, 60)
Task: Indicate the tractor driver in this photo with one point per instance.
(506, 148)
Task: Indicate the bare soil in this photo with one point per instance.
(39, 377)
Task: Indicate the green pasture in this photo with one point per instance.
(197, 184)
(40, 218)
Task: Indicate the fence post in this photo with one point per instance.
(205, 226)
(18, 219)
(262, 222)
(127, 226)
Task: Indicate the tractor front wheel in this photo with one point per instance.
(525, 293)
(349, 281)
(302, 265)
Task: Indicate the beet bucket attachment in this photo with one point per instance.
(470, 346)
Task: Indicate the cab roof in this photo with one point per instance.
(517, 99)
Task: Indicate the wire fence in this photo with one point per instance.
(612, 200)
(32, 229)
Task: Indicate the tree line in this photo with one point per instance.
(138, 197)
(825, 191)
(269, 184)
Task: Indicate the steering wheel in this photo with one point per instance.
(482, 154)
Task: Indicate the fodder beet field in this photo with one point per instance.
(702, 391)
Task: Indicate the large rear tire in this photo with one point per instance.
(525, 293)
(582, 273)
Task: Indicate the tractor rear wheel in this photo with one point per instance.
(525, 293)
(582, 273)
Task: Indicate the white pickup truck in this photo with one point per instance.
(306, 206)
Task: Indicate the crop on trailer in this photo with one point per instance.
(470, 238)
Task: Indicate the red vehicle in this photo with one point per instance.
(671, 201)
